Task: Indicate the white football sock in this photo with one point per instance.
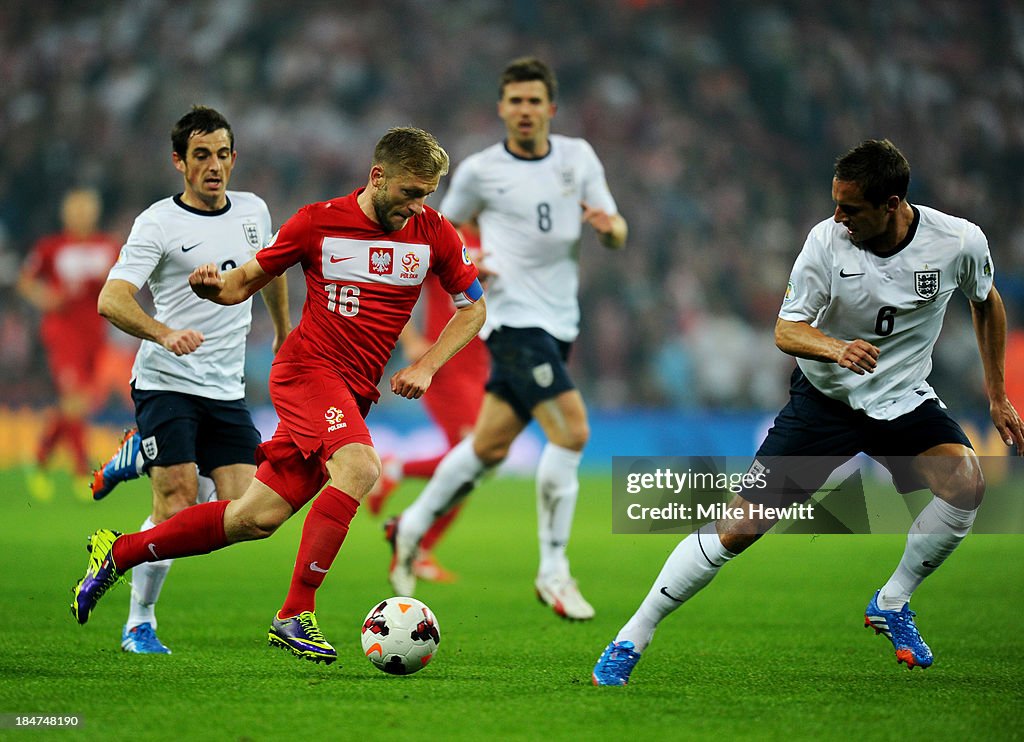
(455, 477)
(691, 566)
(393, 468)
(207, 491)
(147, 581)
(558, 486)
(938, 529)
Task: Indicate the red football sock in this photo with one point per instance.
(421, 469)
(74, 429)
(52, 434)
(195, 530)
(437, 528)
(323, 533)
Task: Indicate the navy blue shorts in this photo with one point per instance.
(814, 434)
(527, 367)
(180, 428)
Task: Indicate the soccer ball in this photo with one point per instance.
(400, 636)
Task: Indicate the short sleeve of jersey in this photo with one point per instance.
(452, 265)
(141, 253)
(976, 269)
(462, 201)
(810, 280)
(266, 224)
(289, 246)
(595, 186)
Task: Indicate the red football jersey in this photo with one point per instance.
(438, 306)
(361, 283)
(437, 309)
(76, 267)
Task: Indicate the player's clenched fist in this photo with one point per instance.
(206, 281)
(410, 382)
(182, 342)
(859, 356)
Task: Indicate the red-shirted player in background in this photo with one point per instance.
(62, 278)
(364, 257)
(453, 401)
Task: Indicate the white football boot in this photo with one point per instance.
(560, 592)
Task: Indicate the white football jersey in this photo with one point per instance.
(529, 217)
(169, 240)
(895, 302)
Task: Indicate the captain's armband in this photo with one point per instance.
(470, 295)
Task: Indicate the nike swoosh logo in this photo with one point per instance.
(339, 260)
(664, 591)
(929, 565)
(190, 247)
(316, 568)
(844, 274)
(152, 550)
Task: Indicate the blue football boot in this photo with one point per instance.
(142, 639)
(615, 664)
(121, 467)
(898, 627)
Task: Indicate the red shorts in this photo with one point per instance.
(73, 364)
(318, 414)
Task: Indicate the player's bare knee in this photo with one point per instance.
(169, 503)
(572, 437)
(737, 540)
(363, 477)
(247, 525)
(964, 487)
(491, 453)
(354, 469)
(254, 531)
(743, 526)
(576, 437)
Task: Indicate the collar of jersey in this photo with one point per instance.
(200, 212)
(528, 159)
(911, 231)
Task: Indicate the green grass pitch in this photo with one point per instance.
(773, 649)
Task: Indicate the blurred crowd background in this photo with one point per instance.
(717, 122)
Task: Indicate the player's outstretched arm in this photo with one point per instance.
(803, 341)
(611, 229)
(989, 318)
(232, 287)
(38, 293)
(117, 303)
(413, 380)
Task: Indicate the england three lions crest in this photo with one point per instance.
(926, 284)
(252, 235)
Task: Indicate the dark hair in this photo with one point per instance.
(411, 150)
(526, 69)
(878, 168)
(200, 120)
